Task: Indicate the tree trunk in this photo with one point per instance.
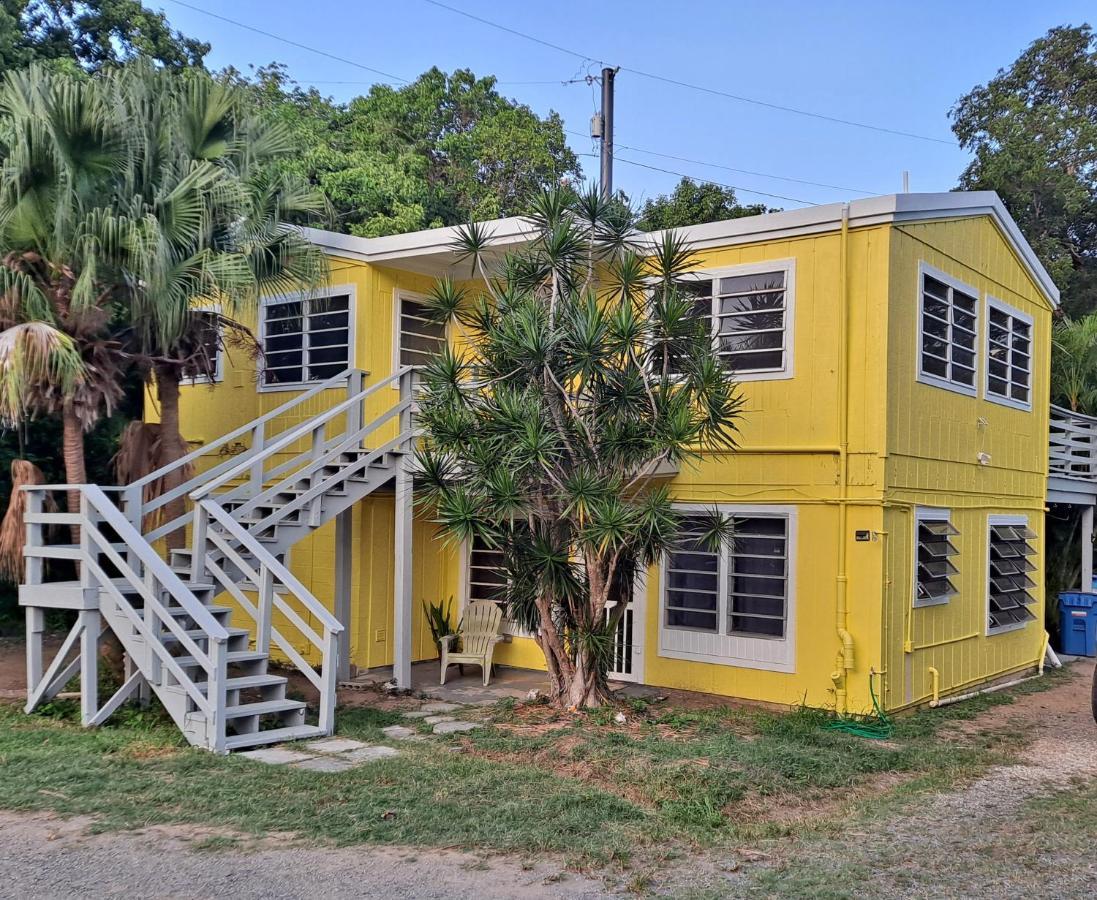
(72, 452)
(173, 446)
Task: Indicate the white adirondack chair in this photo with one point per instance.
(479, 630)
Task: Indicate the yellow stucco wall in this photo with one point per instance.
(907, 444)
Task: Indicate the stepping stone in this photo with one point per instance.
(452, 726)
(275, 756)
(438, 706)
(325, 764)
(416, 714)
(435, 720)
(369, 754)
(335, 745)
(401, 733)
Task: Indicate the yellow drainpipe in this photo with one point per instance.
(935, 683)
(845, 656)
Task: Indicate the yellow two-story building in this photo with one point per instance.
(888, 492)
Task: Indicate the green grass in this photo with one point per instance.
(596, 792)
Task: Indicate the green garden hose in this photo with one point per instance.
(875, 726)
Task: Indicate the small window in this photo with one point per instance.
(1009, 580)
(205, 363)
(306, 339)
(934, 555)
(420, 338)
(486, 573)
(949, 323)
(746, 310)
(754, 572)
(1009, 355)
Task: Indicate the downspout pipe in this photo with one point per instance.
(845, 662)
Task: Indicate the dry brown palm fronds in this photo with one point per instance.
(141, 451)
(13, 532)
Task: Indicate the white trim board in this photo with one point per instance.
(886, 209)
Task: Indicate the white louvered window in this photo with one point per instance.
(420, 338)
(739, 591)
(487, 579)
(747, 310)
(305, 339)
(1009, 355)
(1010, 583)
(206, 365)
(949, 318)
(935, 555)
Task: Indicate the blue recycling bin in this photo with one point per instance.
(1078, 623)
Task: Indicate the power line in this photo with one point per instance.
(284, 40)
(686, 84)
(701, 162)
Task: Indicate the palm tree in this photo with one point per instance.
(1074, 364)
(61, 238)
(205, 179)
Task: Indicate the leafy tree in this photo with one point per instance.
(92, 33)
(203, 179)
(546, 427)
(1074, 364)
(1033, 131)
(444, 150)
(694, 203)
(62, 237)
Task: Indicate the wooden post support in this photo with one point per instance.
(89, 665)
(344, 559)
(36, 625)
(401, 620)
(1087, 548)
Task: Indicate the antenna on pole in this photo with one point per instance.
(601, 126)
(906, 181)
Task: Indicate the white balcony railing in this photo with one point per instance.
(1072, 445)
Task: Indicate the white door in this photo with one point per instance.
(626, 663)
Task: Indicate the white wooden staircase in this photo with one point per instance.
(256, 494)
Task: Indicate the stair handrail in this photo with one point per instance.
(137, 508)
(264, 575)
(291, 436)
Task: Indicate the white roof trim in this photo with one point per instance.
(890, 208)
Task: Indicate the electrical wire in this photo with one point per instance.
(633, 162)
(686, 84)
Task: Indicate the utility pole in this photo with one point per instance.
(608, 75)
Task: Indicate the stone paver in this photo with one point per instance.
(335, 745)
(454, 725)
(275, 756)
(416, 714)
(325, 764)
(401, 733)
(369, 754)
(434, 720)
(438, 706)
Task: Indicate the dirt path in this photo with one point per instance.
(998, 837)
(42, 856)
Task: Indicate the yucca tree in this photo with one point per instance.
(204, 178)
(63, 148)
(578, 374)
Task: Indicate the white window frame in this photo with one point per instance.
(785, 266)
(348, 290)
(928, 514)
(775, 654)
(993, 520)
(1012, 311)
(510, 627)
(219, 366)
(398, 297)
(924, 269)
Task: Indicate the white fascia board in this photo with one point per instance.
(886, 209)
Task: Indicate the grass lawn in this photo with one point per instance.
(666, 782)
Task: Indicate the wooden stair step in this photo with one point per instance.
(233, 657)
(273, 736)
(263, 708)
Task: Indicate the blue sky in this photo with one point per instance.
(897, 66)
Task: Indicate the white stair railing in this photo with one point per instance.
(1072, 450)
(138, 571)
(225, 550)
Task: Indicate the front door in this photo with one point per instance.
(626, 662)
